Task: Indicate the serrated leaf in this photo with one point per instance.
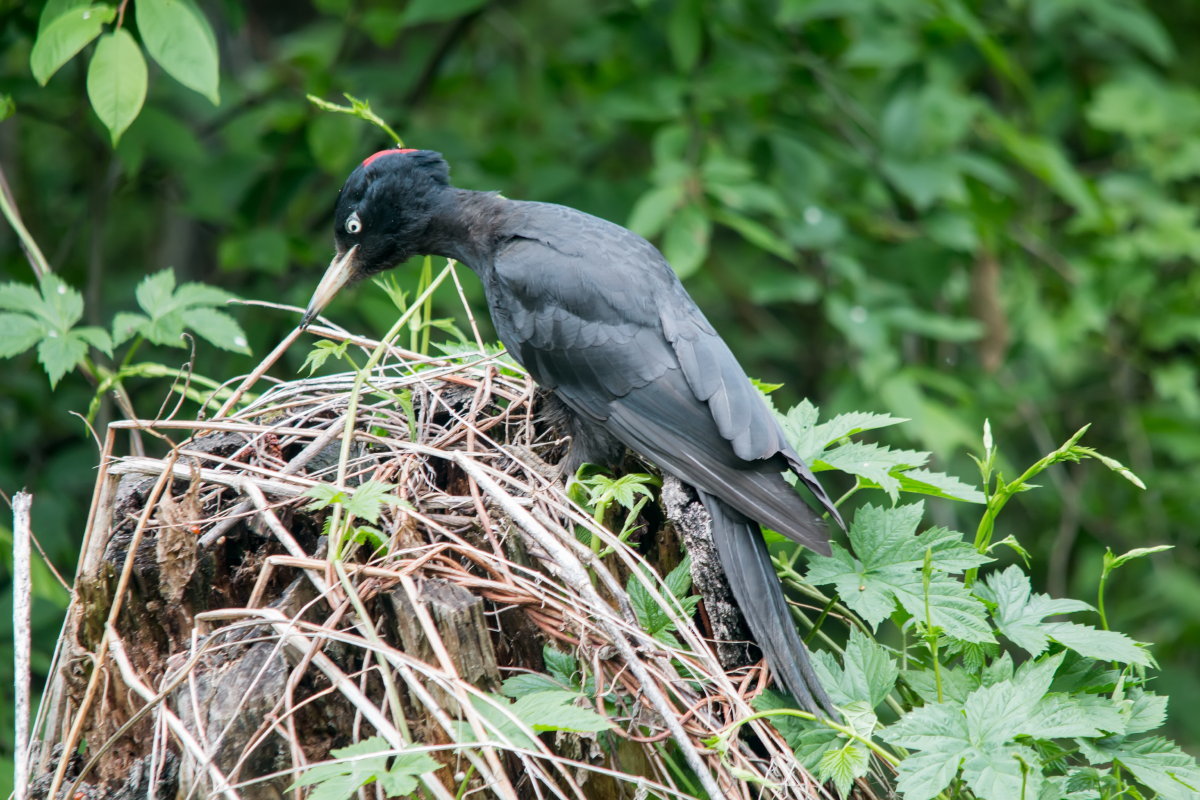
(96, 337)
(192, 294)
(362, 763)
(525, 683)
(1060, 716)
(62, 38)
(874, 462)
(1019, 612)
(400, 779)
(179, 38)
(127, 324)
(557, 711)
(155, 293)
(923, 775)
(61, 304)
(561, 666)
(1095, 643)
(116, 81)
(18, 333)
(1146, 711)
(24, 298)
(59, 354)
(868, 673)
(368, 499)
(922, 481)
(843, 765)
(844, 425)
(218, 328)
(888, 570)
(1162, 766)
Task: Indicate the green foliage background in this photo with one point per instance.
(942, 210)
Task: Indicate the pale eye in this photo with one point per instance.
(353, 224)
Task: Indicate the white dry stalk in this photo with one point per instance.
(22, 589)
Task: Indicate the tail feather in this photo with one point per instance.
(759, 595)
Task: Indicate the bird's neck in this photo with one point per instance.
(464, 227)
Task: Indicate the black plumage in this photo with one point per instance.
(596, 315)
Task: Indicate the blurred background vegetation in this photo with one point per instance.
(946, 210)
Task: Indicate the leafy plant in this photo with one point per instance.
(539, 711)
(174, 32)
(363, 763)
(655, 620)
(366, 501)
(1067, 722)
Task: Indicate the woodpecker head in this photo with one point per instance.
(382, 218)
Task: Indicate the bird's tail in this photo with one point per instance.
(759, 595)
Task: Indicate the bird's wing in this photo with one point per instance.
(596, 314)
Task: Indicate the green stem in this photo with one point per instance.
(931, 635)
(842, 729)
(1100, 599)
(820, 619)
(33, 253)
(1004, 491)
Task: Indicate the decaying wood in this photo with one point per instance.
(240, 653)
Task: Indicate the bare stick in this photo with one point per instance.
(22, 633)
(258, 372)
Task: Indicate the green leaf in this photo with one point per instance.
(116, 81)
(874, 462)
(178, 37)
(96, 337)
(1113, 563)
(324, 495)
(844, 425)
(400, 780)
(977, 735)
(888, 570)
(844, 765)
(562, 666)
(1020, 614)
(59, 354)
(684, 33)
(554, 710)
(654, 619)
(24, 298)
(557, 710)
(53, 9)
(938, 484)
(362, 763)
(869, 672)
(525, 683)
(1098, 644)
(421, 11)
(218, 328)
(18, 333)
(60, 304)
(652, 210)
(69, 33)
(154, 293)
(126, 325)
(685, 243)
(367, 500)
(1162, 766)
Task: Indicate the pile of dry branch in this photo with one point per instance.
(215, 649)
